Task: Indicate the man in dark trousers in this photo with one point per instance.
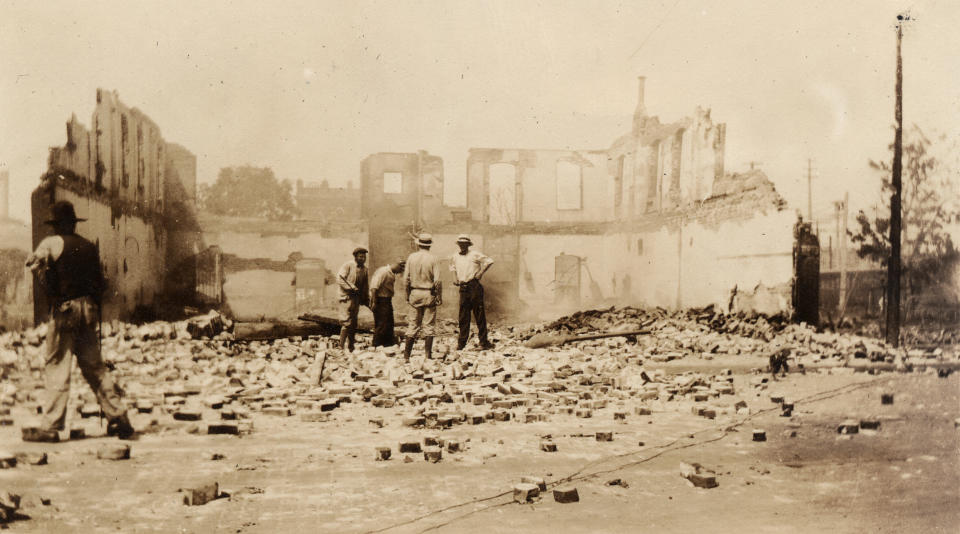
(354, 292)
(69, 269)
(468, 267)
(381, 302)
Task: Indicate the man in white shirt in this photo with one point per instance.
(468, 267)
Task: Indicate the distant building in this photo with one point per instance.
(320, 202)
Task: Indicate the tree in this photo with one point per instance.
(928, 252)
(248, 191)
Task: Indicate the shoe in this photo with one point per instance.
(40, 435)
(487, 346)
(121, 428)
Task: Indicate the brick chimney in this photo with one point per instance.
(641, 112)
(4, 194)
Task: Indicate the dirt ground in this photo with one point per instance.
(294, 476)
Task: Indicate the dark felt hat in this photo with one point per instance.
(358, 250)
(62, 211)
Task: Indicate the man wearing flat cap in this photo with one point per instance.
(424, 293)
(381, 302)
(468, 267)
(68, 267)
(354, 292)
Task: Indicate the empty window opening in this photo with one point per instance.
(393, 183)
(569, 186)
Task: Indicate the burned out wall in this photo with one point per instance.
(510, 186)
(261, 260)
(137, 192)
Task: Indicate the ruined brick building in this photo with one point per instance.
(138, 193)
(652, 218)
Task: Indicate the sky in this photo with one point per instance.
(311, 88)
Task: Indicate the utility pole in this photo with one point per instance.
(809, 190)
(893, 266)
(842, 245)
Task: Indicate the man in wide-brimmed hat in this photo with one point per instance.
(354, 292)
(468, 267)
(381, 302)
(424, 293)
(69, 268)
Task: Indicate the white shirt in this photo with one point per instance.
(468, 266)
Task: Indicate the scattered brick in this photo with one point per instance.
(525, 492)
(201, 495)
(849, 426)
(32, 458)
(432, 454)
(548, 446)
(759, 435)
(886, 398)
(539, 482)
(223, 428)
(566, 495)
(383, 453)
(604, 436)
(188, 415)
(114, 451)
(409, 446)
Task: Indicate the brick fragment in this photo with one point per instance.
(759, 435)
(377, 422)
(432, 454)
(409, 446)
(201, 495)
(315, 417)
(78, 433)
(539, 482)
(566, 495)
(383, 453)
(870, 424)
(187, 415)
(584, 413)
(849, 426)
(114, 451)
(144, 406)
(7, 460)
(501, 415)
(604, 436)
(642, 410)
(416, 421)
(277, 411)
(548, 446)
(453, 445)
(620, 416)
(525, 492)
(886, 398)
(32, 458)
(223, 428)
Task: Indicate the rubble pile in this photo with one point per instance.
(213, 385)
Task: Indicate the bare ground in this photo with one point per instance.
(294, 476)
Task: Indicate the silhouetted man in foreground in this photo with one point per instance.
(69, 270)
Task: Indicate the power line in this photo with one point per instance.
(649, 35)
